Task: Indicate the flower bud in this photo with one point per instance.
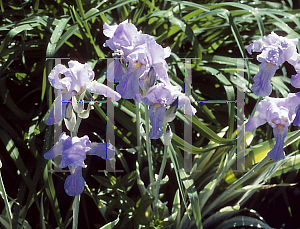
(149, 81)
(168, 136)
(171, 112)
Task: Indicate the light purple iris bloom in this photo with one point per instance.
(275, 50)
(78, 78)
(137, 53)
(279, 113)
(73, 151)
(159, 97)
(144, 57)
(123, 36)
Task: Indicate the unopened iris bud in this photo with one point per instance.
(149, 81)
(124, 64)
(78, 106)
(168, 136)
(70, 118)
(171, 112)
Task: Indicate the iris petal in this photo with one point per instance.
(262, 85)
(296, 121)
(115, 71)
(253, 123)
(58, 111)
(277, 152)
(156, 116)
(104, 150)
(99, 88)
(295, 81)
(129, 85)
(185, 105)
(74, 156)
(55, 81)
(74, 184)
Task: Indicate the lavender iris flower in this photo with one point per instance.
(73, 151)
(279, 113)
(275, 50)
(137, 53)
(159, 97)
(123, 36)
(78, 78)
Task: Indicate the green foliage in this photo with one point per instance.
(215, 33)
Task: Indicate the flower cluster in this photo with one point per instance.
(142, 73)
(275, 50)
(76, 79)
(278, 112)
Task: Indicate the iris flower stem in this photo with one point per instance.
(75, 211)
(7, 207)
(161, 171)
(78, 121)
(148, 144)
(138, 130)
(76, 198)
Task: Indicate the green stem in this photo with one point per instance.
(138, 131)
(7, 207)
(161, 171)
(75, 211)
(76, 198)
(148, 144)
(78, 121)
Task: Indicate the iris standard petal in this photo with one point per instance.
(185, 105)
(57, 82)
(262, 85)
(161, 70)
(81, 74)
(124, 37)
(74, 156)
(160, 94)
(99, 88)
(109, 30)
(74, 184)
(256, 46)
(277, 153)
